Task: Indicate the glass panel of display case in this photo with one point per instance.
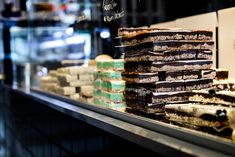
(1, 50)
(19, 44)
(1, 42)
(227, 40)
(48, 46)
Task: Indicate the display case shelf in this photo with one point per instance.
(160, 137)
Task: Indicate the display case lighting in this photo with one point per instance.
(52, 44)
(69, 31)
(58, 34)
(44, 70)
(105, 34)
(75, 40)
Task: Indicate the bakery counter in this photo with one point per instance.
(147, 134)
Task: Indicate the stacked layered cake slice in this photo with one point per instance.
(213, 110)
(49, 82)
(79, 78)
(214, 119)
(222, 80)
(109, 86)
(75, 82)
(163, 66)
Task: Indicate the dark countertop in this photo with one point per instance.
(157, 136)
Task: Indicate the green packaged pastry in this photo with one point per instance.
(97, 93)
(113, 86)
(110, 75)
(112, 97)
(116, 106)
(98, 102)
(98, 84)
(116, 65)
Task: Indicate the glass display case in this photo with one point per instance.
(118, 59)
(1, 53)
(53, 32)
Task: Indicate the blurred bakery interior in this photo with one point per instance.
(93, 77)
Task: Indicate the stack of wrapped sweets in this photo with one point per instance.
(79, 80)
(163, 66)
(75, 82)
(109, 86)
(49, 82)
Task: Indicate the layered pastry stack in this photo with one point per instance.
(166, 68)
(80, 79)
(211, 111)
(222, 80)
(164, 65)
(222, 93)
(214, 119)
(109, 86)
(49, 82)
(75, 82)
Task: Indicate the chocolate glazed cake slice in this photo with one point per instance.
(146, 107)
(170, 75)
(163, 56)
(131, 32)
(183, 45)
(170, 97)
(167, 66)
(166, 56)
(170, 86)
(147, 96)
(181, 65)
(208, 73)
(140, 77)
(162, 35)
(213, 97)
(197, 84)
(212, 119)
(198, 74)
(161, 86)
(204, 54)
(169, 45)
(167, 76)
